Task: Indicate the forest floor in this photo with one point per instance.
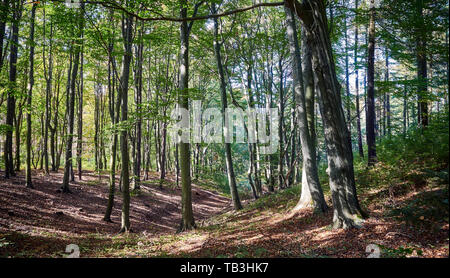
(408, 218)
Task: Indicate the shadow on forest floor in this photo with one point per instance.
(41, 221)
(407, 218)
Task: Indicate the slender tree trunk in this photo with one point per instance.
(227, 135)
(29, 182)
(127, 29)
(387, 96)
(370, 121)
(347, 84)
(68, 170)
(114, 113)
(187, 216)
(4, 10)
(137, 168)
(11, 100)
(48, 92)
(358, 113)
(80, 115)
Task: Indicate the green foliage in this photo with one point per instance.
(400, 252)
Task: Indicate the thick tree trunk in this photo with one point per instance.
(308, 150)
(337, 137)
(421, 59)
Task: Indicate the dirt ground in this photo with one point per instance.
(41, 222)
(46, 209)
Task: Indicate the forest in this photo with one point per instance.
(224, 128)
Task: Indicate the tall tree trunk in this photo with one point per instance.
(281, 128)
(347, 84)
(48, 91)
(137, 168)
(358, 113)
(4, 10)
(310, 173)
(114, 113)
(421, 57)
(227, 134)
(12, 87)
(370, 121)
(387, 96)
(71, 107)
(29, 182)
(187, 216)
(337, 137)
(127, 29)
(80, 114)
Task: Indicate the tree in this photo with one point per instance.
(71, 105)
(340, 157)
(226, 133)
(127, 33)
(370, 104)
(11, 98)
(358, 112)
(187, 216)
(310, 173)
(29, 182)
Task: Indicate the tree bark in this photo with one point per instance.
(29, 182)
(226, 133)
(370, 121)
(71, 109)
(127, 29)
(358, 113)
(337, 137)
(310, 172)
(11, 99)
(187, 216)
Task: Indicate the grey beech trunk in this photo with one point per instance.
(421, 60)
(226, 133)
(370, 102)
(114, 113)
(139, 62)
(358, 113)
(310, 172)
(80, 114)
(187, 216)
(127, 29)
(29, 182)
(48, 74)
(337, 137)
(71, 108)
(11, 100)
